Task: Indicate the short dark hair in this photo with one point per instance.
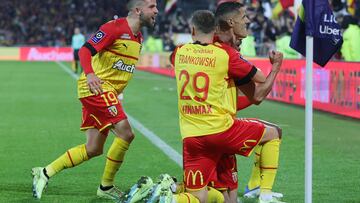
(223, 11)
(204, 21)
(132, 3)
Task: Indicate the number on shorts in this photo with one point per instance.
(110, 98)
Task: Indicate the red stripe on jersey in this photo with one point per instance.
(68, 153)
(117, 53)
(114, 160)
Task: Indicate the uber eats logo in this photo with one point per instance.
(120, 65)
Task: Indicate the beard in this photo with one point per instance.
(146, 21)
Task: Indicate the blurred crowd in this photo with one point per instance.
(51, 22)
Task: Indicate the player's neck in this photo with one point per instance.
(225, 37)
(134, 25)
(203, 39)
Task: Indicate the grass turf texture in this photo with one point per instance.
(40, 117)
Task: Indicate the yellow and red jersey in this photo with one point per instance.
(115, 51)
(207, 75)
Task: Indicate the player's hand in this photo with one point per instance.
(276, 59)
(94, 83)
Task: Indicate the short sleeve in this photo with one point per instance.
(104, 37)
(239, 69)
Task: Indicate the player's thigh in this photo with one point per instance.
(200, 162)
(243, 136)
(123, 130)
(226, 173)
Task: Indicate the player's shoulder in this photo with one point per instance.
(224, 46)
(117, 25)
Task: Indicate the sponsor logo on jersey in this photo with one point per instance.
(120, 65)
(113, 110)
(98, 37)
(125, 36)
(197, 109)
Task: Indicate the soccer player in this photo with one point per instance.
(204, 72)
(108, 59)
(77, 41)
(231, 19)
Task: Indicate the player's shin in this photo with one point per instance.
(269, 161)
(115, 157)
(69, 159)
(254, 180)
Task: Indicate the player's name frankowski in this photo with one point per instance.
(199, 109)
(197, 60)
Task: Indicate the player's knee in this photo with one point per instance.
(270, 134)
(93, 151)
(129, 135)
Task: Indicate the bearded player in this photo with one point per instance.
(108, 59)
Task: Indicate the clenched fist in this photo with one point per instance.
(276, 59)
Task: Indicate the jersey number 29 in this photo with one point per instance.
(204, 89)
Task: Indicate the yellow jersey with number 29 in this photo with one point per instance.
(204, 73)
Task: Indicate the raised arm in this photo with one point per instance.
(256, 92)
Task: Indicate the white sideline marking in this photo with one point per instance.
(152, 137)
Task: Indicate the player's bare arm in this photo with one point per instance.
(257, 92)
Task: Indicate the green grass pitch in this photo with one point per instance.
(40, 118)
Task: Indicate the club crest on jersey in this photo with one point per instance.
(113, 110)
(125, 36)
(98, 37)
(120, 65)
(234, 176)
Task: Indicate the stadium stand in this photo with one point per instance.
(51, 23)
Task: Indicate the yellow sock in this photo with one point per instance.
(269, 164)
(254, 180)
(185, 198)
(215, 196)
(69, 159)
(114, 159)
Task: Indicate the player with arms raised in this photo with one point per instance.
(108, 59)
(231, 19)
(204, 72)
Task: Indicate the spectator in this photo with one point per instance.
(351, 46)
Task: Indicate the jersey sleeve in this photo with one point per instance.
(239, 69)
(104, 37)
(173, 54)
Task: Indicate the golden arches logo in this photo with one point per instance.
(247, 145)
(193, 176)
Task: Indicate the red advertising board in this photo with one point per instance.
(46, 54)
(336, 88)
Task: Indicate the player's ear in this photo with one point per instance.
(193, 31)
(137, 11)
(230, 22)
